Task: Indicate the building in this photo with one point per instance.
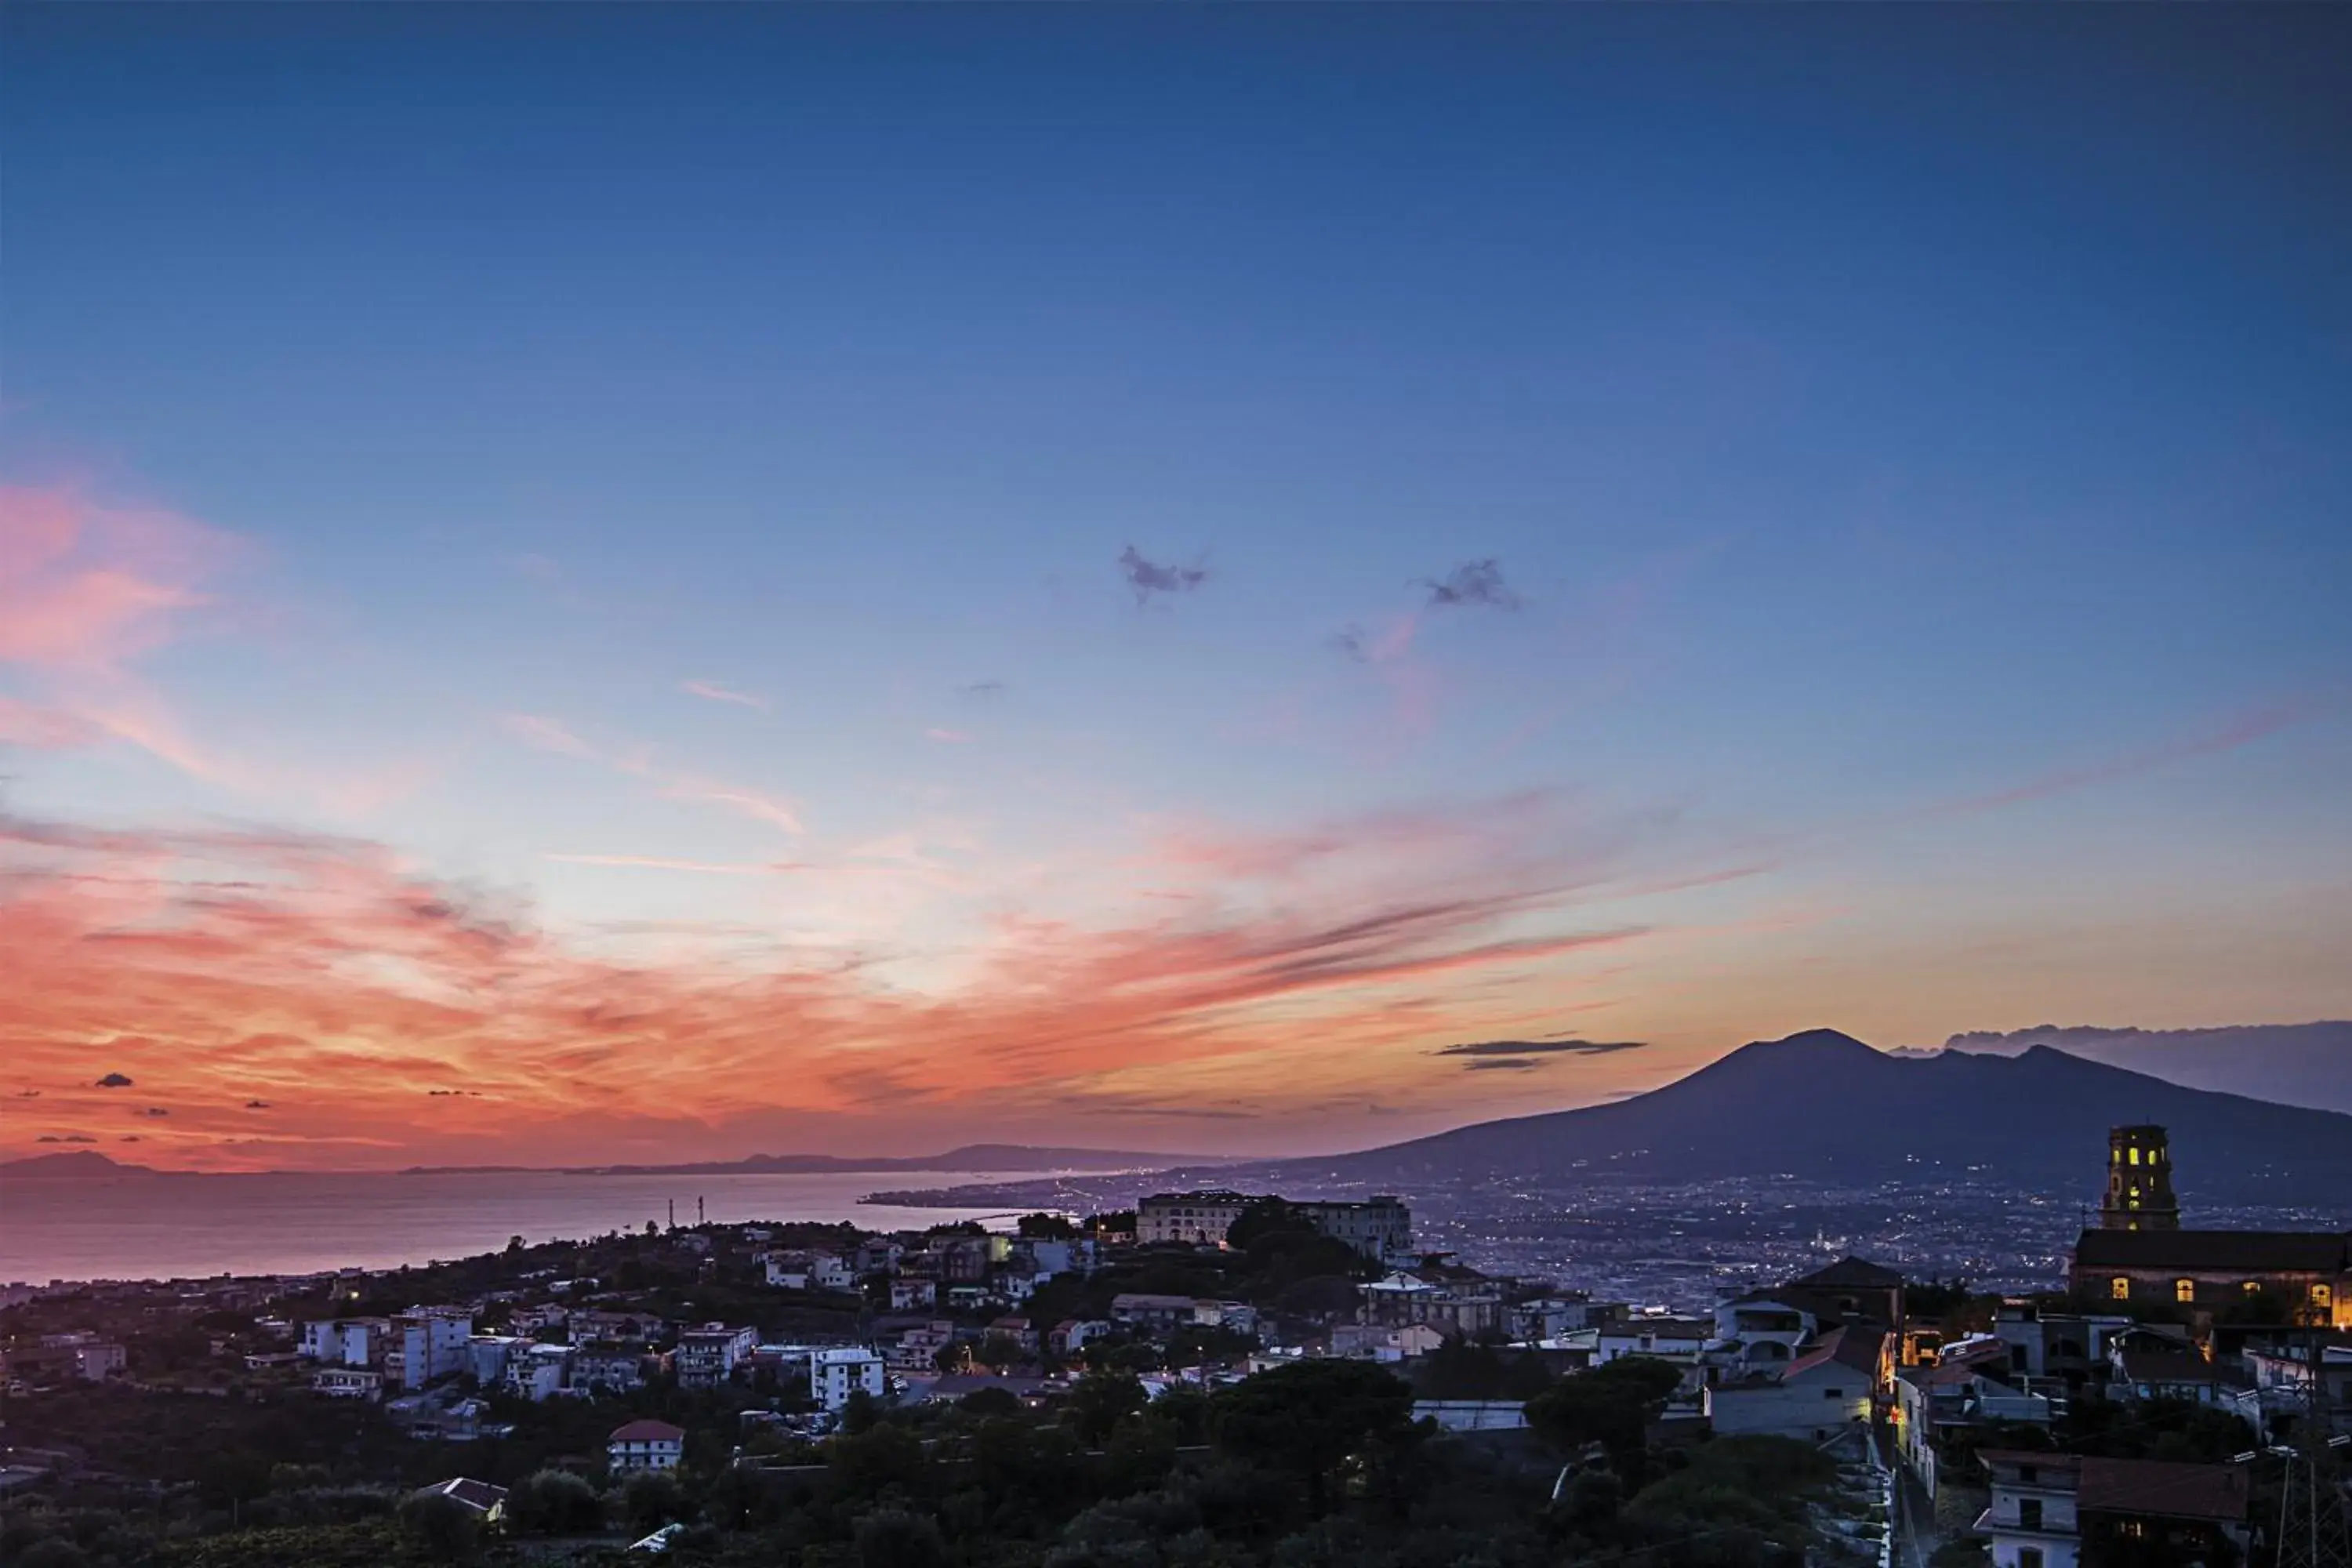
(1144, 1310)
(1830, 1385)
(644, 1446)
(706, 1356)
(2031, 1520)
(539, 1372)
(613, 1369)
(913, 1295)
(835, 1374)
(1377, 1342)
(2146, 1371)
(344, 1341)
(1552, 1316)
(2140, 1180)
(1381, 1227)
(348, 1382)
(426, 1345)
(1072, 1335)
(2193, 1514)
(917, 1353)
(2062, 1346)
(1452, 1307)
(487, 1356)
(1201, 1218)
(2307, 1273)
(1851, 1291)
(1678, 1339)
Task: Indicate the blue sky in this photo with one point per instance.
(1909, 442)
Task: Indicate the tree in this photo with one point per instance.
(894, 1538)
(652, 1498)
(1098, 1401)
(553, 1502)
(1611, 1405)
(1308, 1417)
(1043, 1227)
(859, 1412)
(443, 1528)
(1263, 1217)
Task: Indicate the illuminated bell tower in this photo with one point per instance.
(2139, 1182)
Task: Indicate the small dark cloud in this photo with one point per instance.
(455, 1093)
(1472, 583)
(1190, 1112)
(157, 1110)
(980, 691)
(130, 1138)
(1545, 1047)
(1147, 577)
(64, 1138)
(115, 1080)
(28, 1094)
(1352, 642)
(1504, 1064)
(257, 1105)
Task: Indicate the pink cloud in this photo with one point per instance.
(2227, 736)
(713, 693)
(947, 737)
(85, 587)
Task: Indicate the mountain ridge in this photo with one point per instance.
(1824, 1106)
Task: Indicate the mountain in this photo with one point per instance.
(974, 1157)
(2295, 1064)
(82, 1164)
(1823, 1106)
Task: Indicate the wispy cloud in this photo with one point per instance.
(1146, 577)
(949, 737)
(1473, 583)
(2242, 730)
(551, 735)
(711, 692)
(981, 690)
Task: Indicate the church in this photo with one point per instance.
(2139, 1253)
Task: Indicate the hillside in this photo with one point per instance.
(2294, 1064)
(1823, 1106)
(78, 1164)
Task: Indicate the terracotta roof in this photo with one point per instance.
(2172, 1491)
(2220, 1251)
(1856, 1348)
(2030, 1456)
(647, 1432)
(1851, 1273)
(479, 1495)
(2166, 1366)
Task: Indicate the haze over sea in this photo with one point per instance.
(169, 1226)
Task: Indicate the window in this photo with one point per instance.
(1833, 1393)
(2028, 1475)
(2028, 1513)
(2028, 1557)
(2251, 1287)
(2134, 1156)
(2184, 1289)
(2322, 1295)
(2120, 1289)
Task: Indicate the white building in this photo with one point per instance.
(644, 1446)
(616, 1369)
(1828, 1387)
(348, 1382)
(428, 1344)
(539, 1372)
(343, 1342)
(707, 1356)
(835, 1374)
(1678, 1339)
(1201, 1218)
(2032, 1522)
(488, 1355)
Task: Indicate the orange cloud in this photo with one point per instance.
(327, 978)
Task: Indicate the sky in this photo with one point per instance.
(594, 584)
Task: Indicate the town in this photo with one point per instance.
(687, 1388)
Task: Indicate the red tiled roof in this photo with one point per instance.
(1856, 1348)
(2169, 1491)
(647, 1432)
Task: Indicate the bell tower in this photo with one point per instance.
(2140, 1180)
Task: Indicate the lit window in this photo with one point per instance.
(2120, 1289)
(2134, 1156)
(2252, 1286)
(2321, 1295)
(2184, 1289)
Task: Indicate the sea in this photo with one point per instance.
(188, 1226)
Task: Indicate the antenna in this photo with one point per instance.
(2312, 1529)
